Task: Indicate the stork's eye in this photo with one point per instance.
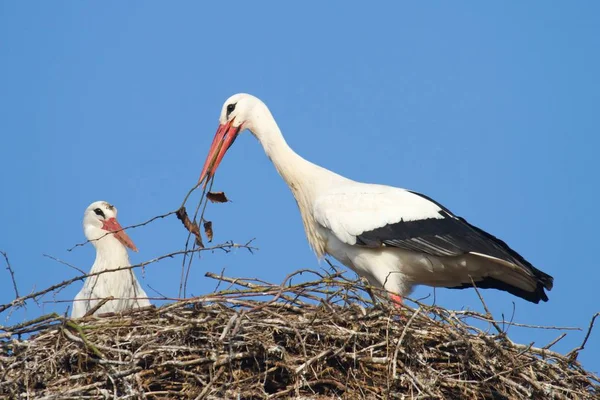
(99, 212)
(230, 108)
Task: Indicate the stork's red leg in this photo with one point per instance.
(396, 299)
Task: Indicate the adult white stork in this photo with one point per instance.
(394, 237)
(102, 229)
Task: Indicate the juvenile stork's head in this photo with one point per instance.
(100, 225)
(239, 112)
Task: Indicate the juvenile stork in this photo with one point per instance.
(102, 229)
(393, 237)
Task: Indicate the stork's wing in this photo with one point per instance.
(376, 215)
(357, 212)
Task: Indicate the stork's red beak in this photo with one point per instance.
(224, 138)
(112, 225)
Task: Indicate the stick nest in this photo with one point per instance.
(320, 339)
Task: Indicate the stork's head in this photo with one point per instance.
(240, 111)
(99, 220)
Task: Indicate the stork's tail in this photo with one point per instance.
(526, 282)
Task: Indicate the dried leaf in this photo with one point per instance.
(217, 197)
(192, 227)
(208, 230)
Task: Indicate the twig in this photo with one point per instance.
(44, 319)
(184, 275)
(98, 305)
(64, 263)
(395, 362)
(484, 318)
(322, 354)
(124, 229)
(185, 199)
(12, 274)
(552, 343)
(202, 199)
(512, 317)
(82, 337)
(158, 293)
(487, 311)
(575, 352)
(208, 386)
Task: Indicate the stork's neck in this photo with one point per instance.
(300, 174)
(305, 179)
(110, 254)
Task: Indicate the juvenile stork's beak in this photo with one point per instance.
(112, 225)
(224, 138)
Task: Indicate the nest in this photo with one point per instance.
(320, 339)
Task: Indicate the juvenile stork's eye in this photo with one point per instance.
(230, 108)
(99, 212)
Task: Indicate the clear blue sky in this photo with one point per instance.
(491, 110)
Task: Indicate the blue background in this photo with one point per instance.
(491, 110)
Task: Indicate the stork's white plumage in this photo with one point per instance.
(394, 237)
(102, 229)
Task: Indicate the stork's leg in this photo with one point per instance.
(396, 299)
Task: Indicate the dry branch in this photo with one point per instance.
(124, 229)
(575, 352)
(12, 274)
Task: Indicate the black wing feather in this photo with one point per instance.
(451, 236)
(492, 283)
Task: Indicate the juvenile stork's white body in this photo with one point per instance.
(104, 232)
(393, 237)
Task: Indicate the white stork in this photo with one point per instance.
(393, 237)
(102, 229)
